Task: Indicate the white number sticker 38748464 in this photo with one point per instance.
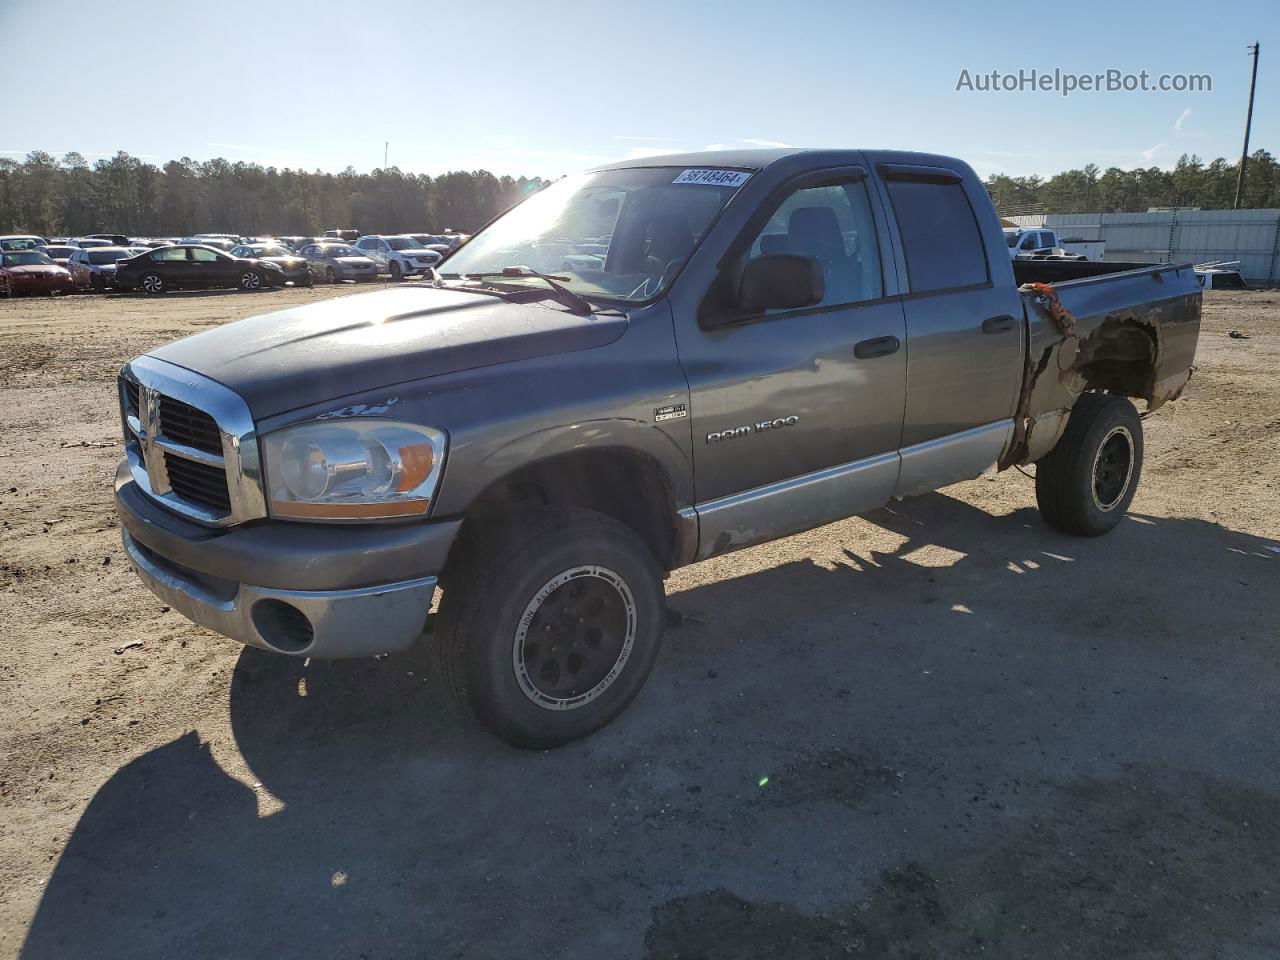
(716, 178)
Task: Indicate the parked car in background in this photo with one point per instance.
(294, 266)
(334, 262)
(224, 244)
(195, 265)
(292, 242)
(88, 243)
(399, 257)
(350, 235)
(59, 253)
(21, 241)
(150, 243)
(95, 269)
(115, 239)
(30, 271)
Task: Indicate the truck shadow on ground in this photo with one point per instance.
(1030, 730)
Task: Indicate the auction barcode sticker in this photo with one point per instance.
(714, 178)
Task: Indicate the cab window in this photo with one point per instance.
(169, 254)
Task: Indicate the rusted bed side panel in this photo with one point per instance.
(1132, 334)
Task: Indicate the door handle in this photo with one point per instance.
(998, 324)
(876, 347)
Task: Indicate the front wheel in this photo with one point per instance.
(396, 273)
(550, 624)
(250, 280)
(1085, 484)
(330, 275)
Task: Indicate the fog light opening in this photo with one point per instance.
(282, 626)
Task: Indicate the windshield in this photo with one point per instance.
(20, 243)
(100, 257)
(621, 234)
(332, 251)
(1012, 239)
(403, 243)
(28, 258)
(60, 251)
(262, 250)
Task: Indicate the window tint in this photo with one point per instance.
(832, 224)
(939, 235)
(1048, 240)
(203, 255)
(165, 254)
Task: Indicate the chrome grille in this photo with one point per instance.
(190, 443)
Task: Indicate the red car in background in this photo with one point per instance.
(29, 271)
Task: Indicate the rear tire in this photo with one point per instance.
(330, 275)
(1085, 484)
(152, 283)
(549, 625)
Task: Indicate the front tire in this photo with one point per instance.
(1085, 484)
(549, 625)
(396, 273)
(251, 280)
(330, 275)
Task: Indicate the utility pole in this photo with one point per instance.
(1248, 122)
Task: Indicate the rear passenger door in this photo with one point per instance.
(172, 265)
(964, 327)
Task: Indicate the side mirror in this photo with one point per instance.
(780, 281)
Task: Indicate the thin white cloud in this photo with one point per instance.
(1177, 124)
(1149, 154)
(755, 142)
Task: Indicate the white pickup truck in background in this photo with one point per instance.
(1032, 243)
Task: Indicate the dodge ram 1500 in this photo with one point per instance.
(634, 369)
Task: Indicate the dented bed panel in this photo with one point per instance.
(1133, 334)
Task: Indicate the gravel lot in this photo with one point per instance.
(980, 737)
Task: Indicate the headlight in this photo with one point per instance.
(353, 469)
(270, 266)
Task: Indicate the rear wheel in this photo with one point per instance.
(152, 283)
(1085, 484)
(396, 273)
(250, 280)
(550, 624)
(330, 275)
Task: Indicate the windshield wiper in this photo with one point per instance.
(576, 304)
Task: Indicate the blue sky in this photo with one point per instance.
(548, 87)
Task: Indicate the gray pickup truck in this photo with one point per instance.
(635, 369)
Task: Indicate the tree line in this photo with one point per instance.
(1191, 183)
(70, 197)
(123, 194)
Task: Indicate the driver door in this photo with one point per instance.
(797, 414)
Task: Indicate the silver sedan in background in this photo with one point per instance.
(337, 261)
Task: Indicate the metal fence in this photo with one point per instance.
(1251, 237)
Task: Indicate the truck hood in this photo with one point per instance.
(351, 345)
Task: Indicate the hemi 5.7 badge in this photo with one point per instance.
(674, 411)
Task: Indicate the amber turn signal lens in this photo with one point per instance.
(416, 460)
(348, 511)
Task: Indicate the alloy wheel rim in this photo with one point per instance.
(1112, 468)
(249, 281)
(574, 638)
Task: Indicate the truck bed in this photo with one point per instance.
(1127, 329)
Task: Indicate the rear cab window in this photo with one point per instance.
(940, 236)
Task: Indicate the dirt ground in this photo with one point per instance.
(980, 737)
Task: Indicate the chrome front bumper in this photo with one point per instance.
(358, 622)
